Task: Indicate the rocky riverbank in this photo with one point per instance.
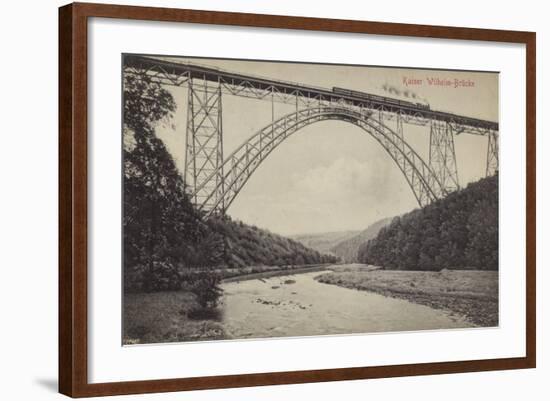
(467, 293)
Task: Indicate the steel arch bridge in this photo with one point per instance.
(214, 181)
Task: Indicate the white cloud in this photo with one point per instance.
(345, 194)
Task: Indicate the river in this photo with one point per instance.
(299, 305)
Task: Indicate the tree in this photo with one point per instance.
(161, 226)
(482, 250)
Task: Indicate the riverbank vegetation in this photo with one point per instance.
(167, 316)
(469, 294)
(457, 232)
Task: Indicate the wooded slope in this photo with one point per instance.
(457, 232)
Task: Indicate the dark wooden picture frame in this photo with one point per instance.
(73, 198)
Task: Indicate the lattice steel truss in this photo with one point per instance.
(214, 182)
(204, 144)
(492, 153)
(178, 74)
(442, 155)
(242, 163)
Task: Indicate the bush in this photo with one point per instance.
(162, 277)
(205, 286)
(133, 278)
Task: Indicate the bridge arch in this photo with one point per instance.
(239, 166)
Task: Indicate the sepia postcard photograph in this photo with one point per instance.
(267, 199)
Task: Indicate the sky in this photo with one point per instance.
(333, 176)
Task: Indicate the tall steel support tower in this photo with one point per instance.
(492, 153)
(204, 143)
(399, 126)
(442, 155)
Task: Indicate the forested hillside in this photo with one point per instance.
(347, 249)
(247, 245)
(458, 232)
(163, 234)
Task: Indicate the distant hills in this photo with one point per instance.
(324, 242)
(347, 249)
(343, 244)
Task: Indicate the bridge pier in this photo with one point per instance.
(442, 155)
(492, 153)
(204, 144)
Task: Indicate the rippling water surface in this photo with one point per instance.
(298, 305)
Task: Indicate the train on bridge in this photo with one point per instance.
(381, 99)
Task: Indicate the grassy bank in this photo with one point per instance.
(471, 294)
(168, 316)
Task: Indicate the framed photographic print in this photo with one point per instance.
(295, 199)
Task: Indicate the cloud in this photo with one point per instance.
(342, 195)
(343, 178)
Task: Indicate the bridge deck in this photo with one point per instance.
(291, 88)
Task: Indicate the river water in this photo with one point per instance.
(299, 305)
